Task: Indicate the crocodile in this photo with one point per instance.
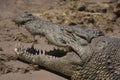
(68, 37)
(89, 55)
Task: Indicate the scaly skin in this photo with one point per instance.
(102, 61)
(74, 37)
(99, 55)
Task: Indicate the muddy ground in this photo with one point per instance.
(101, 14)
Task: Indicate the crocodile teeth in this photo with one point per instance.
(65, 49)
(27, 52)
(50, 57)
(16, 49)
(33, 52)
(38, 51)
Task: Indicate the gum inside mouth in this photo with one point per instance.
(57, 52)
(54, 52)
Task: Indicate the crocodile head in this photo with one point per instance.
(72, 42)
(70, 37)
(67, 63)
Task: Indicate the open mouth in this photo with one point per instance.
(55, 52)
(52, 59)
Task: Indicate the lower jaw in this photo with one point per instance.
(50, 62)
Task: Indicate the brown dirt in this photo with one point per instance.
(102, 14)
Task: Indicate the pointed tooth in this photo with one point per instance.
(50, 57)
(38, 51)
(61, 49)
(35, 49)
(43, 52)
(65, 49)
(27, 53)
(16, 49)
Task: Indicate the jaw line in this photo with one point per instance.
(20, 51)
(50, 62)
